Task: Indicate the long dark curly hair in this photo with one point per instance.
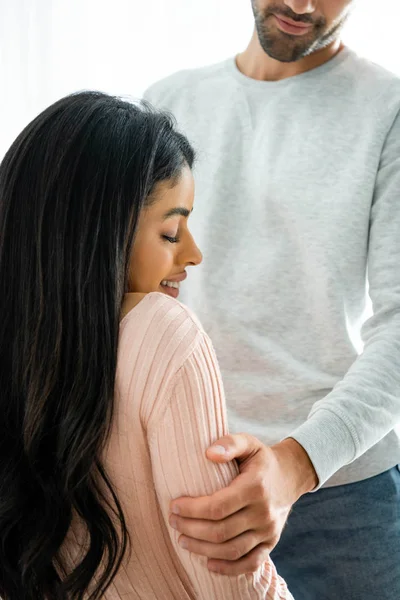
(72, 186)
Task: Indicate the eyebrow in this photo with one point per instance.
(183, 212)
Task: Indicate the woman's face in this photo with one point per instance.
(163, 245)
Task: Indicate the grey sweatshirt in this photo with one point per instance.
(297, 211)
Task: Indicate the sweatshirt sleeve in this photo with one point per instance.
(193, 419)
(365, 405)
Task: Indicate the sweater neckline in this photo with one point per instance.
(331, 64)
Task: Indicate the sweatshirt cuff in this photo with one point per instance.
(328, 442)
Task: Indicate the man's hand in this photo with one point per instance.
(238, 526)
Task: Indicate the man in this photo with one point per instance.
(297, 212)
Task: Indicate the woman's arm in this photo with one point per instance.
(193, 419)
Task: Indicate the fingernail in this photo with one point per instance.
(213, 568)
(183, 543)
(173, 522)
(218, 449)
(175, 509)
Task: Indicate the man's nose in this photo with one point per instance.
(302, 7)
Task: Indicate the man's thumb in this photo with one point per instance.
(239, 446)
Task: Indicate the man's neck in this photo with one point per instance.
(255, 63)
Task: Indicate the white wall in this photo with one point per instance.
(49, 48)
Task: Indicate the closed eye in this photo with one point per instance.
(172, 240)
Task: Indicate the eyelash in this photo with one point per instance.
(171, 240)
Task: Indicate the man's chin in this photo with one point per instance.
(285, 51)
(285, 48)
(282, 46)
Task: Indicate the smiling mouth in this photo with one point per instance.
(170, 288)
(170, 284)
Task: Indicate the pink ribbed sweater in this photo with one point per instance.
(169, 408)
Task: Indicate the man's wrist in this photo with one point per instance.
(302, 471)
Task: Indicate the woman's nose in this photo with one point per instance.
(192, 254)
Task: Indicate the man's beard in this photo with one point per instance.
(289, 48)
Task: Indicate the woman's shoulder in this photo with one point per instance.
(160, 324)
(137, 306)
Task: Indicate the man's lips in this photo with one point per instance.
(293, 27)
(294, 23)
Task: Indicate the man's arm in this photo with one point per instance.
(365, 405)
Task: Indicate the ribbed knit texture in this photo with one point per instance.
(170, 407)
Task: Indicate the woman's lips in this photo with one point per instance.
(178, 278)
(288, 26)
(175, 279)
(170, 291)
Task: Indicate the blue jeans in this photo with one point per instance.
(343, 543)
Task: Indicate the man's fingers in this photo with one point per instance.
(230, 551)
(215, 532)
(248, 564)
(240, 446)
(216, 507)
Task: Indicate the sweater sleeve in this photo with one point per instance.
(365, 405)
(193, 419)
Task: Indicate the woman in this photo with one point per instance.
(110, 390)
